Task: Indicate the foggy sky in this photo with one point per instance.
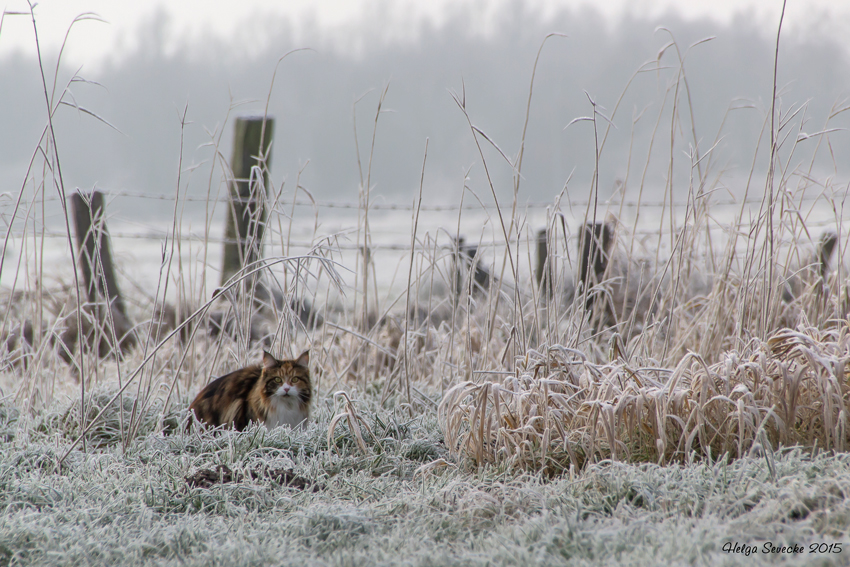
(313, 97)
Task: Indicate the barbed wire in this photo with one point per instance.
(380, 241)
(350, 205)
(340, 242)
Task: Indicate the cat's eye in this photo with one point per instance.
(278, 380)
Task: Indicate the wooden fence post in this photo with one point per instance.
(458, 270)
(246, 214)
(98, 271)
(94, 251)
(468, 270)
(543, 272)
(595, 240)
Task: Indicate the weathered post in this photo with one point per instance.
(93, 249)
(595, 240)
(458, 268)
(246, 214)
(98, 271)
(468, 269)
(543, 272)
(480, 273)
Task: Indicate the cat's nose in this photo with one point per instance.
(286, 388)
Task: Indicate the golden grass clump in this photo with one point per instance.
(562, 410)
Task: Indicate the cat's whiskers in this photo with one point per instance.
(286, 408)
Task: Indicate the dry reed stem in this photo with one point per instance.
(349, 413)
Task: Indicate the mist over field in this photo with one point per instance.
(144, 94)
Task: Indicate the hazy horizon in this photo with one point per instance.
(313, 101)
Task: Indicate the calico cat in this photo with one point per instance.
(276, 392)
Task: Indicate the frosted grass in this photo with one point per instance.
(106, 507)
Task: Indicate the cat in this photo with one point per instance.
(276, 392)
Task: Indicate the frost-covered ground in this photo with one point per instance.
(395, 504)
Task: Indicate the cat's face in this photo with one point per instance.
(287, 380)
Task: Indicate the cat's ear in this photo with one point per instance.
(269, 361)
(304, 359)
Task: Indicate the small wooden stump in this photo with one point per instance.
(543, 271)
(93, 249)
(468, 269)
(104, 328)
(595, 243)
(246, 215)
